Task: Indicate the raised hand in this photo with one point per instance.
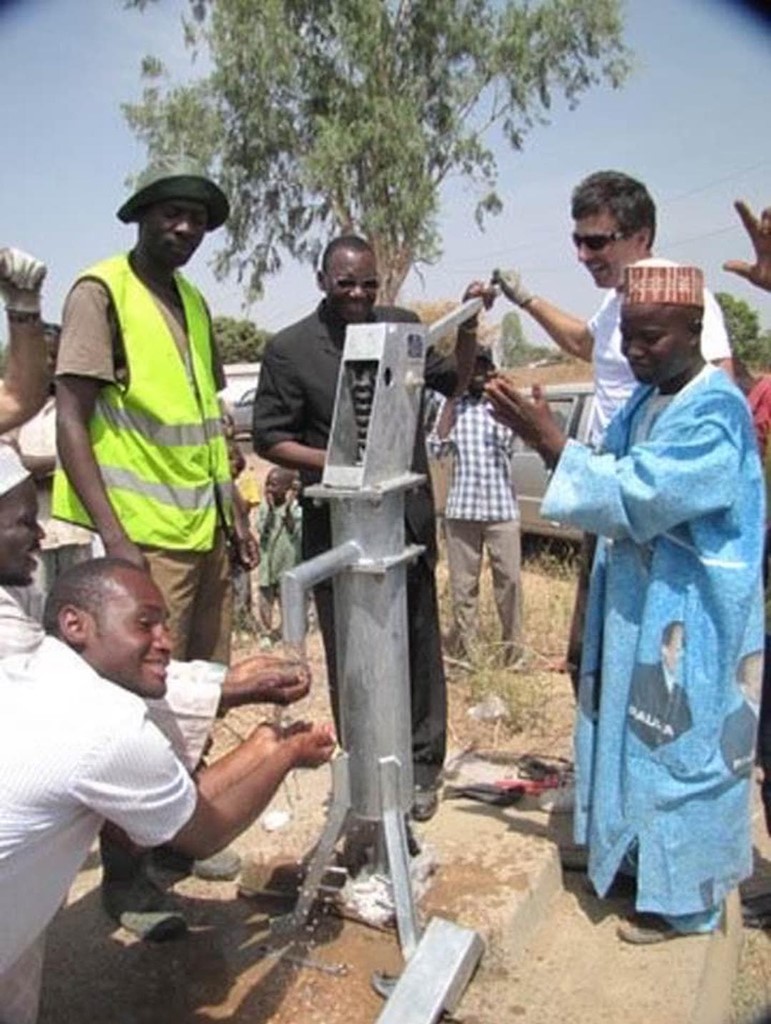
(21, 278)
(510, 283)
(759, 230)
(530, 418)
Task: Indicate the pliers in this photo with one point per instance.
(504, 792)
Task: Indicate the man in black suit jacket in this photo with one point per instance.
(292, 420)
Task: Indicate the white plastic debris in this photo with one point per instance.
(370, 896)
(491, 709)
(272, 821)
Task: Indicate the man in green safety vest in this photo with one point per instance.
(142, 450)
(143, 456)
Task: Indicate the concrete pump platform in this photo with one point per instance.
(552, 951)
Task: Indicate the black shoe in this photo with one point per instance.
(220, 867)
(756, 910)
(413, 846)
(143, 909)
(425, 803)
(647, 930)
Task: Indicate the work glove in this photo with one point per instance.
(510, 283)
(21, 278)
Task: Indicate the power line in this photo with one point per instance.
(704, 234)
(548, 236)
(717, 181)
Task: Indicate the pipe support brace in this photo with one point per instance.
(296, 582)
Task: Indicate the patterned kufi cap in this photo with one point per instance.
(657, 281)
(12, 472)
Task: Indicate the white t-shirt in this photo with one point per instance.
(613, 379)
(185, 715)
(76, 749)
(21, 612)
(38, 437)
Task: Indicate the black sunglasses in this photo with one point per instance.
(347, 284)
(595, 243)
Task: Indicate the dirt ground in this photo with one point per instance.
(226, 969)
(221, 971)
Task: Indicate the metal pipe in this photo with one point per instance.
(453, 319)
(296, 582)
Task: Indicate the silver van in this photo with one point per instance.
(571, 405)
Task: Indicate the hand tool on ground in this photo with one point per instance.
(502, 793)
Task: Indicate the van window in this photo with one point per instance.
(563, 410)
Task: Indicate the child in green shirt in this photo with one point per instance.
(279, 524)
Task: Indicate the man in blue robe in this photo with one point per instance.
(672, 657)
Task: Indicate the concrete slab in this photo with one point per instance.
(499, 871)
(575, 968)
(552, 952)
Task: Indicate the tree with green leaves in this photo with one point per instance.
(516, 350)
(322, 118)
(513, 341)
(742, 322)
(238, 341)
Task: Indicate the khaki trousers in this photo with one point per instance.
(197, 588)
(466, 540)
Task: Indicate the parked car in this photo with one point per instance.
(571, 404)
(242, 413)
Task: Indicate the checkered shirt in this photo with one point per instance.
(481, 487)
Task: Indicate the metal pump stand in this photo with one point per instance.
(366, 474)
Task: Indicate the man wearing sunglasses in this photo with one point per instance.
(614, 226)
(292, 420)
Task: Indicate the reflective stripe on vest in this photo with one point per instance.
(158, 440)
(160, 433)
(177, 497)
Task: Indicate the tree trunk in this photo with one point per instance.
(393, 266)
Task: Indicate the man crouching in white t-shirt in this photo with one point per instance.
(107, 649)
(196, 692)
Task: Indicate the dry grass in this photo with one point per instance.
(538, 701)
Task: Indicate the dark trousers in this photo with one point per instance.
(764, 735)
(428, 688)
(578, 621)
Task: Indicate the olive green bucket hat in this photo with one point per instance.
(180, 179)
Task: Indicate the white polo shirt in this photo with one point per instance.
(77, 750)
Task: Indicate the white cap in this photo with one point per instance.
(12, 472)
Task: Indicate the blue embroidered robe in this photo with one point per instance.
(670, 673)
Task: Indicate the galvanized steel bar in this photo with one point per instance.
(453, 319)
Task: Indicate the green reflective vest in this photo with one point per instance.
(158, 440)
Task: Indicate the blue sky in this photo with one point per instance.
(693, 122)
